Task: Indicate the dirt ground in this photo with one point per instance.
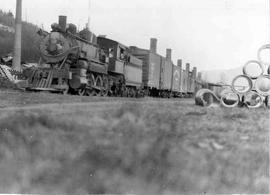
(52, 143)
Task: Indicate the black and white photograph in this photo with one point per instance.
(134, 97)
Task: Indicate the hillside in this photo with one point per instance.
(226, 76)
(30, 39)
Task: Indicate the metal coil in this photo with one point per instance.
(245, 72)
(206, 97)
(253, 100)
(259, 54)
(262, 85)
(229, 99)
(250, 85)
(267, 101)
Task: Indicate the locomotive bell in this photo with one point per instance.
(55, 27)
(72, 28)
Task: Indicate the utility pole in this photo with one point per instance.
(89, 15)
(16, 64)
(269, 38)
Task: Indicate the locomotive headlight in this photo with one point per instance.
(55, 45)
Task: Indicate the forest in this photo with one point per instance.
(30, 38)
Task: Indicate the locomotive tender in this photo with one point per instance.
(83, 64)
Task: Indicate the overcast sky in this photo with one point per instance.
(209, 34)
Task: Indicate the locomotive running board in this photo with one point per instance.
(43, 89)
(96, 88)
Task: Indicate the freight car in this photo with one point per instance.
(161, 78)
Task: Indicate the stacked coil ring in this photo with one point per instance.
(261, 86)
(267, 46)
(245, 71)
(227, 100)
(234, 87)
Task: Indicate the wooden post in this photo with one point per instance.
(179, 63)
(194, 72)
(199, 76)
(187, 67)
(194, 77)
(153, 45)
(269, 42)
(188, 77)
(16, 64)
(169, 54)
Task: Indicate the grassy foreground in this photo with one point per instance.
(138, 146)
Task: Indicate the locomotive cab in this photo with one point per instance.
(119, 55)
(124, 67)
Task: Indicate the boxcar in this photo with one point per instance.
(193, 80)
(157, 70)
(183, 82)
(166, 73)
(176, 84)
(151, 69)
(133, 71)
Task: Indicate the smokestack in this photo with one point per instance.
(179, 63)
(153, 45)
(169, 54)
(62, 22)
(17, 50)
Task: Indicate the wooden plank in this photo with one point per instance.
(35, 81)
(49, 79)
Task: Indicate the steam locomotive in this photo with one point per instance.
(84, 64)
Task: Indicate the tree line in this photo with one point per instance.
(30, 38)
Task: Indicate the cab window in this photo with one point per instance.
(111, 52)
(121, 54)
